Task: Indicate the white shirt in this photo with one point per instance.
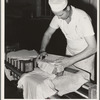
(79, 27)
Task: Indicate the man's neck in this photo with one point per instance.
(69, 18)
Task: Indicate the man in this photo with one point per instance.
(77, 28)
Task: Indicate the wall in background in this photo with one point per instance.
(22, 15)
(40, 8)
(94, 3)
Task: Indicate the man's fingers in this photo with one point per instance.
(42, 55)
(54, 71)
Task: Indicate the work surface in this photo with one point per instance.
(71, 70)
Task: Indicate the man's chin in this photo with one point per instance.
(64, 18)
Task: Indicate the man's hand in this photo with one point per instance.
(64, 61)
(42, 55)
(57, 73)
(60, 74)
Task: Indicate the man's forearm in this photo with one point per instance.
(44, 43)
(84, 54)
(46, 38)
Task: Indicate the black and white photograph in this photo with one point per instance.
(50, 49)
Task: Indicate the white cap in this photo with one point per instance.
(58, 5)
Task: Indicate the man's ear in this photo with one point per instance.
(68, 8)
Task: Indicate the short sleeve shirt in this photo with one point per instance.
(79, 27)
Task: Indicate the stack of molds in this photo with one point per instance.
(22, 61)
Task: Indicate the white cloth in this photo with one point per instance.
(40, 85)
(22, 54)
(70, 81)
(8, 75)
(58, 5)
(37, 85)
(79, 27)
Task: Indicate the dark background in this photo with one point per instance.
(26, 22)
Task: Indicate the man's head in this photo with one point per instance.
(60, 8)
